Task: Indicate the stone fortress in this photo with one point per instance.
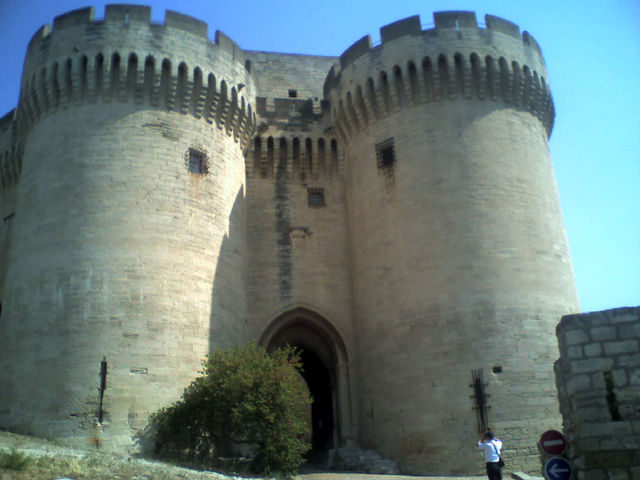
(393, 212)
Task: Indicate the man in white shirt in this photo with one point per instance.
(491, 447)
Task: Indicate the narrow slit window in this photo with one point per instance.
(386, 154)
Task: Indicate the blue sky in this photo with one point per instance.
(592, 50)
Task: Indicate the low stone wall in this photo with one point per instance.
(598, 379)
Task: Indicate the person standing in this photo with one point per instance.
(492, 447)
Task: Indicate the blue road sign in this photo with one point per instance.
(557, 468)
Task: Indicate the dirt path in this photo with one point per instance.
(361, 476)
(52, 461)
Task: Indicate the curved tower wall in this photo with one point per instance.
(118, 238)
(459, 254)
(10, 160)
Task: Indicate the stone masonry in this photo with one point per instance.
(392, 212)
(598, 379)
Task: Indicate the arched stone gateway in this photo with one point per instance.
(326, 372)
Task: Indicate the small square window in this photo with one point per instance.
(315, 196)
(386, 154)
(293, 94)
(197, 162)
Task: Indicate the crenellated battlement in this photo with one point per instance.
(7, 121)
(455, 59)
(153, 81)
(426, 80)
(130, 15)
(10, 151)
(463, 24)
(123, 58)
(124, 20)
(10, 165)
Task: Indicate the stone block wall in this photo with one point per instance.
(598, 379)
(10, 157)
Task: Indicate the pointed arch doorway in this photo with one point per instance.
(325, 365)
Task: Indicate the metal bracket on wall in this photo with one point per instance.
(480, 397)
(103, 387)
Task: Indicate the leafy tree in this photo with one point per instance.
(247, 398)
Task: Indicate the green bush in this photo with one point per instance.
(14, 460)
(245, 399)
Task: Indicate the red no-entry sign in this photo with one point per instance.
(553, 442)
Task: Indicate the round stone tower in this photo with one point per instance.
(460, 264)
(129, 208)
